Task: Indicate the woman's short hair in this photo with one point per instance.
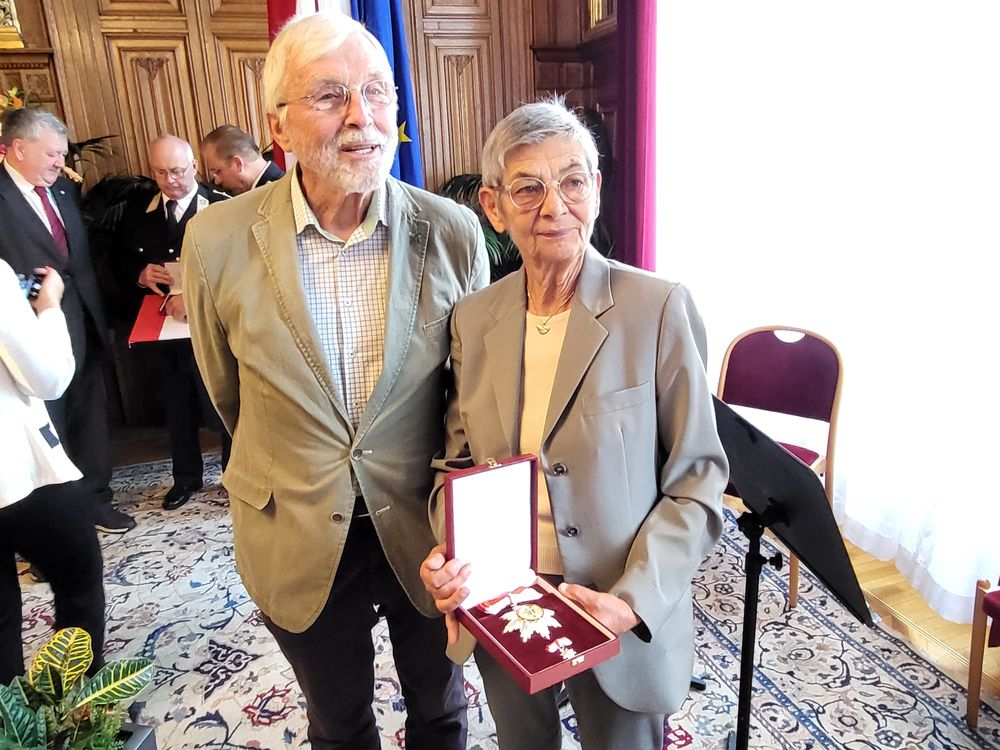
(302, 41)
(27, 124)
(530, 124)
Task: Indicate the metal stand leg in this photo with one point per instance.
(752, 525)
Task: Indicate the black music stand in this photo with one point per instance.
(784, 495)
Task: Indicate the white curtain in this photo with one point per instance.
(836, 166)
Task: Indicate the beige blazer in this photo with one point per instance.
(289, 476)
(630, 453)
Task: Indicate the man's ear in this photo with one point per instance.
(489, 199)
(238, 163)
(17, 149)
(277, 130)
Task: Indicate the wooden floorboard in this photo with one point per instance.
(945, 644)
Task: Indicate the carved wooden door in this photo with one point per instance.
(141, 68)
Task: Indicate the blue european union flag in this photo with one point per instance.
(384, 19)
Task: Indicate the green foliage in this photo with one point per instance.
(81, 152)
(503, 255)
(56, 707)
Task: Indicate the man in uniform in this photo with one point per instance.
(150, 235)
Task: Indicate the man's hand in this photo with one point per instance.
(154, 274)
(445, 581)
(175, 308)
(613, 612)
(51, 292)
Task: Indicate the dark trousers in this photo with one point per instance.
(185, 407)
(334, 659)
(532, 721)
(81, 420)
(53, 528)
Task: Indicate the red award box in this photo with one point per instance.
(536, 634)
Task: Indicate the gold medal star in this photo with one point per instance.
(529, 620)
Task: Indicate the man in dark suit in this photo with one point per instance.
(149, 235)
(42, 226)
(234, 163)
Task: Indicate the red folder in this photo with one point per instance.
(149, 324)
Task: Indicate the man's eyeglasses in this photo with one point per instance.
(176, 172)
(530, 192)
(336, 97)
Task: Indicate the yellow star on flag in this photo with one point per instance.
(403, 137)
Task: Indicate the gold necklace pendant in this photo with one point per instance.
(544, 327)
(529, 620)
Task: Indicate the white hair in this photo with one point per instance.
(302, 41)
(530, 124)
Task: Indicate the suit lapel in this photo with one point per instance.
(275, 236)
(407, 252)
(584, 335)
(72, 221)
(26, 220)
(504, 345)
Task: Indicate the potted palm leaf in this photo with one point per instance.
(504, 258)
(56, 706)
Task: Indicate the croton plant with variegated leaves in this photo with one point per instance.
(56, 706)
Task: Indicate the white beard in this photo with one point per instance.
(351, 178)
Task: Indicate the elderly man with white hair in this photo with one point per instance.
(319, 308)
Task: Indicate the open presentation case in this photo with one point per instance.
(536, 634)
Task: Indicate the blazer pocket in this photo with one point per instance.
(255, 494)
(435, 328)
(618, 400)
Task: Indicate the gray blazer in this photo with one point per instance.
(289, 476)
(630, 453)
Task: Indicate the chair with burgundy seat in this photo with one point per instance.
(789, 371)
(987, 605)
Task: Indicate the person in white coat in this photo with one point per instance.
(44, 514)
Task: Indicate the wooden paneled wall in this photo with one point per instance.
(575, 56)
(471, 63)
(140, 68)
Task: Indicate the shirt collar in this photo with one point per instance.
(260, 174)
(22, 184)
(183, 203)
(305, 217)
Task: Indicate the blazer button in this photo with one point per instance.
(171, 251)
(356, 454)
(559, 469)
(337, 518)
(572, 531)
(140, 249)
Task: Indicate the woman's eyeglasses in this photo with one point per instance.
(530, 192)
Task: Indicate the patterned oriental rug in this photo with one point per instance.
(823, 680)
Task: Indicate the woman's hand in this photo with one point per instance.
(51, 292)
(445, 581)
(614, 613)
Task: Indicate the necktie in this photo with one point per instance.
(55, 225)
(171, 213)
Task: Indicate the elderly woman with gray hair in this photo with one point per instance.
(598, 369)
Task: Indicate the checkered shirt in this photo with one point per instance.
(346, 284)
